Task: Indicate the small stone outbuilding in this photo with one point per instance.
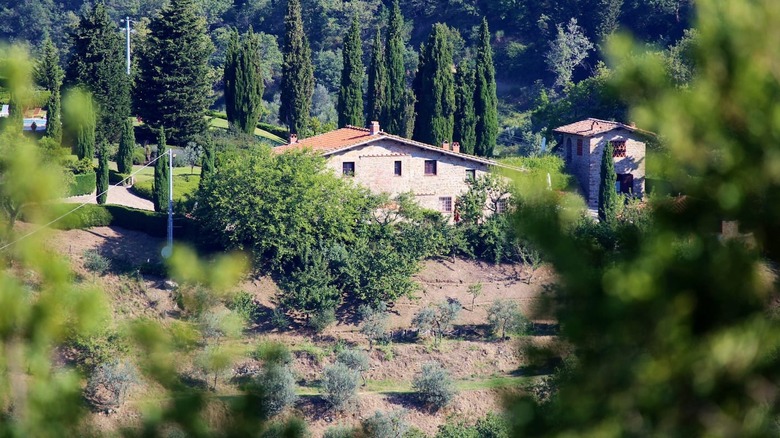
(583, 145)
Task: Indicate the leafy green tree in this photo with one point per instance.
(437, 320)
(434, 87)
(350, 106)
(567, 51)
(162, 176)
(124, 156)
(464, 129)
(608, 197)
(297, 83)
(485, 100)
(310, 289)
(377, 80)
(243, 81)
(395, 94)
(102, 174)
(173, 83)
(290, 205)
(79, 123)
(49, 75)
(98, 64)
(504, 315)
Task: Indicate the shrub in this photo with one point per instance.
(276, 388)
(386, 425)
(108, 384)
(244, 304)
(272, 352)
(87, 216)
(504, 316)
(139, 156)
(321, 319)
(278, 131)
(83, 184)
(91, 351)
(492, 426)
(339, 432)
(95, 262)
(279, 319)
(434, 386)
(339, 385)
(354, 359)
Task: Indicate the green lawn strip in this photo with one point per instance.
(216, 122)
(390, 386)
(183, 184)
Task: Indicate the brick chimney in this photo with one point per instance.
(445, 145)
(374, 128)
(456, 147)
(293, 138)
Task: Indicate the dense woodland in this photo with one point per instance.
(547, 54)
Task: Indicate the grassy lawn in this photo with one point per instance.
(223, 124)
(184, 183)
(390, 386)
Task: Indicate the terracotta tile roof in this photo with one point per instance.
(333, 140)
(591, 126)
(350, 136)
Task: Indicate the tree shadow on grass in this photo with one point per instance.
(544, 368)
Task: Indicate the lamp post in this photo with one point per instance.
(127, 20)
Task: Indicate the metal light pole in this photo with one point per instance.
(170, 199)
(127, 33)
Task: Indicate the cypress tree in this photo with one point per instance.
(485, 101)
(102, 174)
(207, 161)
(49, 75)
(395, 94)
(377, 80)
(434, 87)
(161, 174)
(84, 146)
(465, 120)
(297, 73)
(350, 104)
(98, 64)
(243, 81)
(608, 198)
(124, 156)
(174, 89)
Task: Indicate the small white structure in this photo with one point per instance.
(4, 111)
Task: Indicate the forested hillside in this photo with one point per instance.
(546, 53)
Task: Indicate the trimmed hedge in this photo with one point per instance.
(275, 130)
(83, 184)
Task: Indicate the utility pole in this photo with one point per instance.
(127, 33)
(170, 199)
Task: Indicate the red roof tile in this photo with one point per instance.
(337, 139)
(591, 126)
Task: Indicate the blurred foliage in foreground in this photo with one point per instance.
(43, 305)
(674, 334)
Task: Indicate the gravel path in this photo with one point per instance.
(116, 195)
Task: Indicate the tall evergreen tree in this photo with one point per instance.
(608, 198)
(243, 81)
(377, 80)
(297, 73)
(350, 104)
(434, 87)
(124, 156)
(84, 130)
(485, 101)
(49, 75)
(465, 119)
(160, 187)
(395, 94)
(102, 174)
(174, 89)
(207, 161)
(98, 64)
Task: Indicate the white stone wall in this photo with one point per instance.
(375, 166)
(633, 162)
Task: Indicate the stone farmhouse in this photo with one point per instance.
(385, 163)
(583, 145)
